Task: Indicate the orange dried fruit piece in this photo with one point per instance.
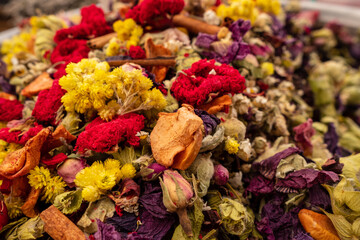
(318, 225)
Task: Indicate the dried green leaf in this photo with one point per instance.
(342, 226)
(68, 202)
(196, 217)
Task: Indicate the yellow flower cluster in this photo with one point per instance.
(269, 6)
(231, 145)
(92, 87)
(248, 9)
(128, 31)
(40, 178)
(244, 9)
(11, 47)
(101, 177)
(113, 48)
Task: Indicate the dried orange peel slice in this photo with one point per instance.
(318, 225)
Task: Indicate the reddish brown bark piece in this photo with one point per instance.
(99, 42)
(194, 25)
(59, 227)
(29, 206)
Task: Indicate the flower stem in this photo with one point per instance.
(185, 221)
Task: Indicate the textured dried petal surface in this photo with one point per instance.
(177, 138)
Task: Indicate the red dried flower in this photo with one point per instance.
(136, 52)
(48, 103)
(18, 136)
(148, 10)
(195, 85)
(101, 136)
(72, 41)
(303, 134)
(53, 161)
(10, 109)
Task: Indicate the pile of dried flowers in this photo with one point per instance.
(145, 123)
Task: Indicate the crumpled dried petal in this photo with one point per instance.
(29, 206)
(42, 82)
(20, 162)
(176, 138)
(217, 105)
(267, 167)
(152, 51)
(303, 134)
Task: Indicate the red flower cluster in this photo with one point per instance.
(71, 48)
(10, 109)
(48, 103)
(18, 136)
(148, 10)
(195, 84)
(72, 41)
(136, 52)
(101, 136)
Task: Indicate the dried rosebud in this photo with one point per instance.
(177, 191)
(69, 169)
(221, 175)
(259, 145)
(152, 171)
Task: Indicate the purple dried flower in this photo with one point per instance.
(267, 167)
(106, 232)
(153, 171)
(305, 178)
(260, 185)
(210, 121)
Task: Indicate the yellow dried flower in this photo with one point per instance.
(13, 205)
(128, 170)
(267, 68)
(91, 193)
(39, 177)
(91, 87)
(128, 31)
(113, 47)
(231, 145)
(97, 179)
(54, 187)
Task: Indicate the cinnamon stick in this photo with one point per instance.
(144, 62)
(194, 25)
(100, 42)
(59, 227)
